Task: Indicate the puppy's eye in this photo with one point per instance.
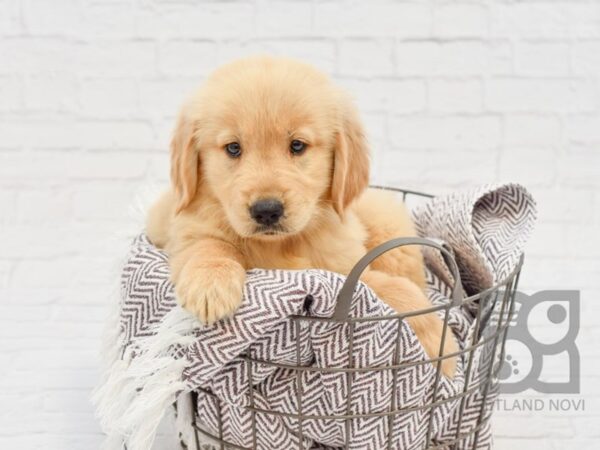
(297, 147)
(233, 149)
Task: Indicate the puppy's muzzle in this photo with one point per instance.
(266, 212)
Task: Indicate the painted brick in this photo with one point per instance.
(183, 57)
(366, 57)
(452, 96)
(210, 20)
(320, 52)
(374, 18)
(464, 20)
(584, 130)
(542, 59)
(10, 93)
(527, 95)
(110, 98)
(532, 130)
(452, 58)
(446, 132)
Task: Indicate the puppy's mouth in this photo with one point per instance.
(271, 230)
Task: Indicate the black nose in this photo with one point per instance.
(267, 212)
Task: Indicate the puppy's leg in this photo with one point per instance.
(385, 217)
(159, 219)
(404, 296)
(209, 278)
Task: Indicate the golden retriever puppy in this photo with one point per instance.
(269, 169)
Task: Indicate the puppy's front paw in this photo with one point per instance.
(211, 290)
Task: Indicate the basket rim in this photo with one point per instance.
(467, 300)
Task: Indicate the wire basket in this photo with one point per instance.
(492, 310)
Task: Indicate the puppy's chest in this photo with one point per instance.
(334, 256)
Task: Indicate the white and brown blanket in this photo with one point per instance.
(159, 353)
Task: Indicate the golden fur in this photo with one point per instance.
(330, 218)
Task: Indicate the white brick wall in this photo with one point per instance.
(454, 93)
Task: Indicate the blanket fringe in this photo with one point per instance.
(184, 420)
(136, 392)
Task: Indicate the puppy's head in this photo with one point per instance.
(274, 142)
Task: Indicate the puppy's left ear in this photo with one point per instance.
(351, 160)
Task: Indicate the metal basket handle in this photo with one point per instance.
(344, 299)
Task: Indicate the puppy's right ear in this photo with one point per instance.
(185, 162)
(351, 159)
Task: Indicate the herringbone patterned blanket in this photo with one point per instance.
(162, 353)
